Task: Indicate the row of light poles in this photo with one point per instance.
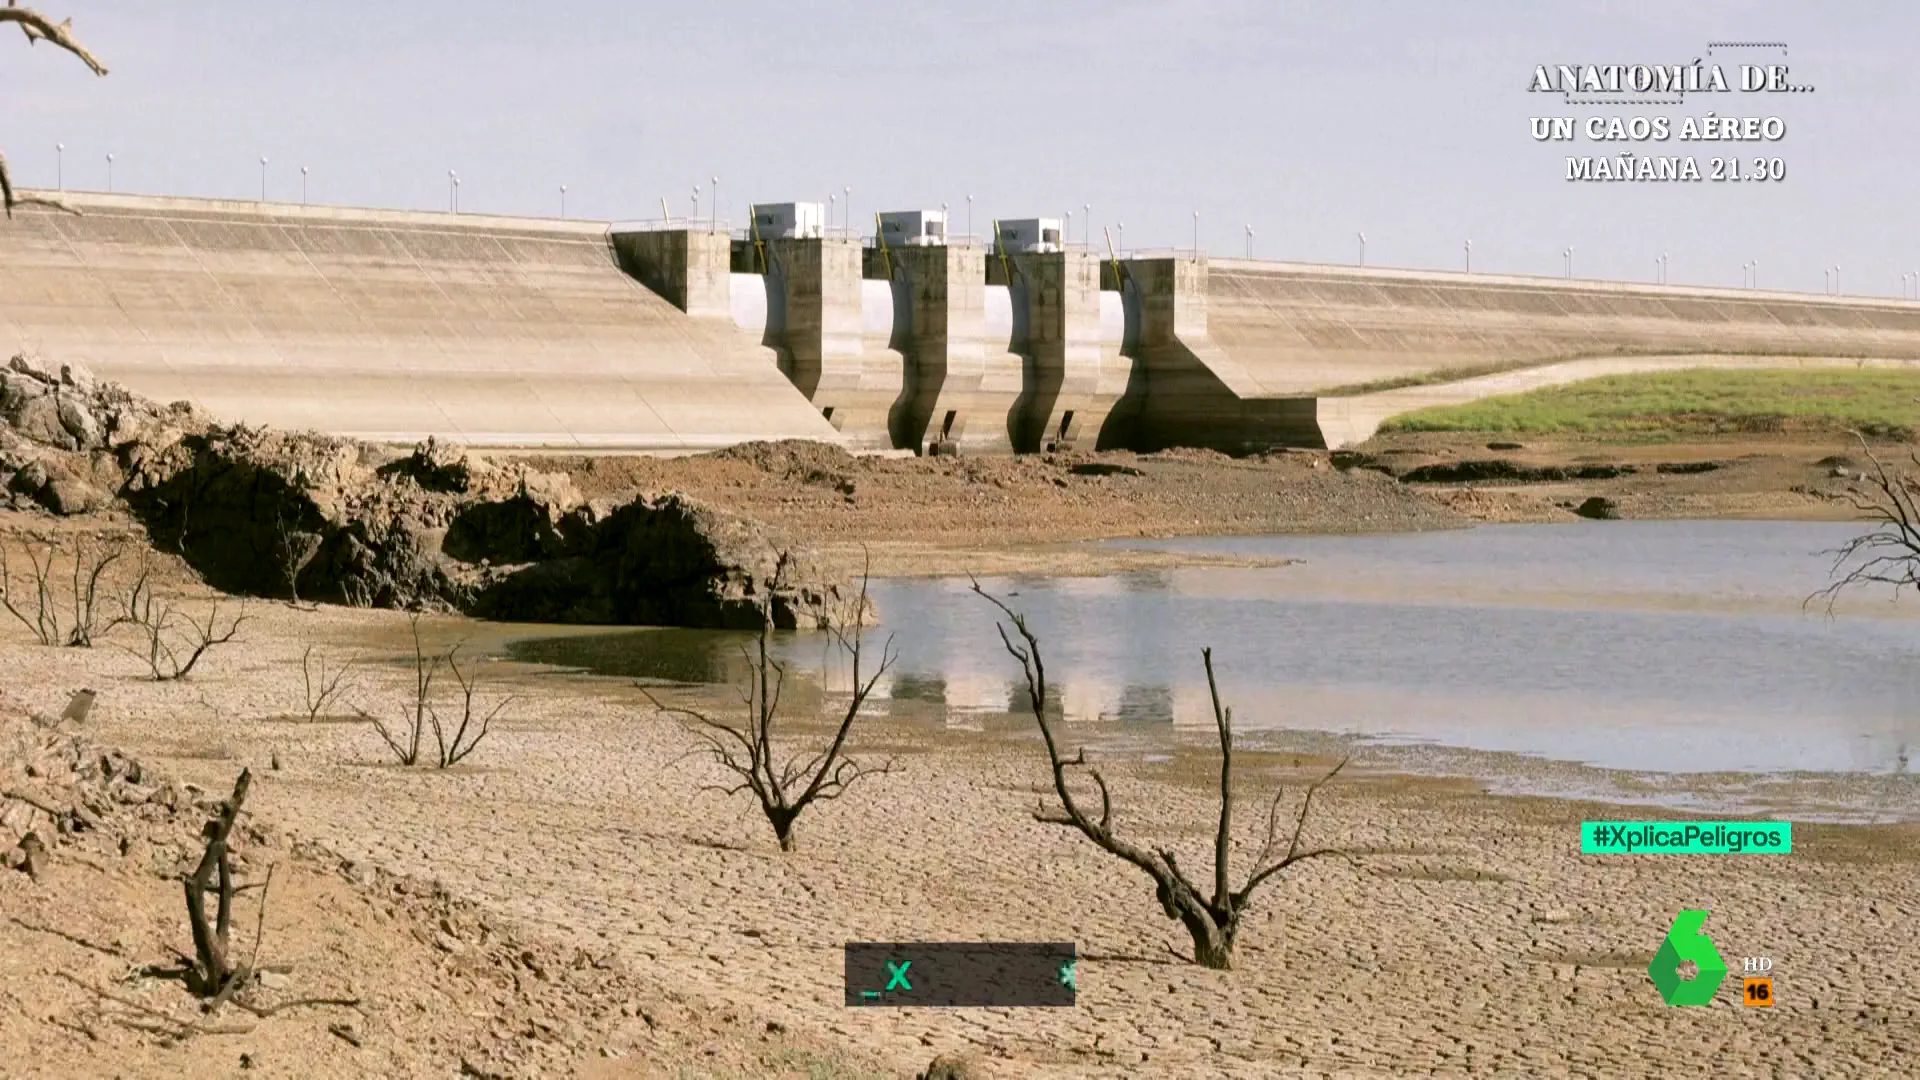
(60, 167)
(1749, 270)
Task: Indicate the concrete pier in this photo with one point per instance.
(961, 387)
(689, 268)
(816, 284)
(1067, 395)
(1191, 392)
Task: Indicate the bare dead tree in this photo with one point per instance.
(38, 27)
(1889, 552)
(322, 687)
(404, 741)
(73, 619)
(212, 973)
(786, 785)
(90, 564)
(1213, 923)
(296, 549)
(173, 642)
(45, 620)
(453, 740)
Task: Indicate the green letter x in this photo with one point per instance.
(897, 975)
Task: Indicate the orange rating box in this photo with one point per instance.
(1757, 993)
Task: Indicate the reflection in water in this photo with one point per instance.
(1658, 646)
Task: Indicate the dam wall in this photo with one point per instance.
(1242, 356)
(536, 334)
(391, 326)
(1304, 330)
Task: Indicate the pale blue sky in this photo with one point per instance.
(1310, 120)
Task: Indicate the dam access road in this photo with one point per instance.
(522, 334)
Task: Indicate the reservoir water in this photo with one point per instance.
(1645, 646)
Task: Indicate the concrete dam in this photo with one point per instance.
(561, 335)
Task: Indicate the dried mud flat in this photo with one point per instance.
(1470, 939)
(950, 516)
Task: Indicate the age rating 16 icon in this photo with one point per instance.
(1756, 989)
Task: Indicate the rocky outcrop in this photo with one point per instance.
(1599, 508)
(663, 560)
(272, 513)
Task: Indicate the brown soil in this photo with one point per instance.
(954, 515)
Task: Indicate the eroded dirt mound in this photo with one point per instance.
(285, 514)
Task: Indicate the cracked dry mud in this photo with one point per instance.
(1472, 938)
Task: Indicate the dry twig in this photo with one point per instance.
(1212, 922)
(38, 27)
(785, 788)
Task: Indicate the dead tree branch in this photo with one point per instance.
(453, 740)
(322, 687)
(465, 735)
(1212, 922)
(45, 620)
(404, 741)
(72, 619)
(174, 643)
(38, 27)
(211, 970)
(296, 550)
(1889, 552)
(785, 787)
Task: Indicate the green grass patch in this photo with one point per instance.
(1876, 402)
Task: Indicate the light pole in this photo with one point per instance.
(1363, 248)
(450, 205)
(1086, 230)
(60, 165)
(945, 227)
(263, 178)
(1120, 236)
(109, 173)
(1836, 279)
(456, 194)
(715, 227)
(832, 201)
(1249, 241)
(1663, 268)
(1066, 230)
(969, 217)
(303, 185)
(1469, 256)
(1569, 254)
(1196, 236)
(846, 208)
(563, 201)
(695, 219)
